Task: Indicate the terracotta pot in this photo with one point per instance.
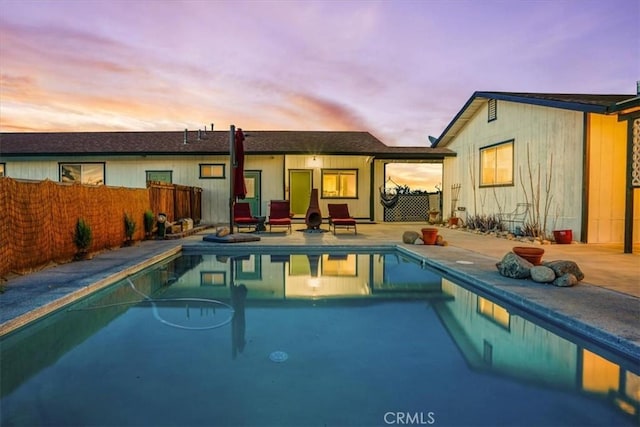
(533, 255)
(563, 237)
(429, 236)
(454, 220)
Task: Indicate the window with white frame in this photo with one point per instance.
(339, 183)
(83, 173)
(212, 170)
(496, 164)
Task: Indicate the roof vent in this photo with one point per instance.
(211, 127)
(185, 136)
(637, 87)
(199, 135)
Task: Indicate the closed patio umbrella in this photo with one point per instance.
(239, 187)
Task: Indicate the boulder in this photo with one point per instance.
(418, 241)
(409, 237)
(566, 280)
(561, 267)
(542, 274)
(514, 266)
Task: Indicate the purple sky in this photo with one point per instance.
(398, 69)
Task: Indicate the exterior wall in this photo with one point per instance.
(358, 208)
(546, 133)
(607, 160)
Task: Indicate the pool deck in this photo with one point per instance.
(605, 306)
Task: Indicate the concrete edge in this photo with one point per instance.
(20, 321)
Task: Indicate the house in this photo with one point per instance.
(344, 166)
(575, 155)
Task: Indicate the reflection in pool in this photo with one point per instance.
(305, 339)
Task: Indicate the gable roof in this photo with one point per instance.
(210, 143)
(602, 104)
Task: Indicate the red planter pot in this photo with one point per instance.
(533, 255)
(563, 237)
(429, 236)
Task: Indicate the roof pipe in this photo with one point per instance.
(185, 136)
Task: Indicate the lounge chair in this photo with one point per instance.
(242, 217)
(339, 217)
(279, 214)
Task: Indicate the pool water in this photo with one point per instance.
(305, 339)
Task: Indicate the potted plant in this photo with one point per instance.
(530, 253)
(129, 228)
(82, 238)
(148, 223)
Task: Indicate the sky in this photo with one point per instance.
(400, 70)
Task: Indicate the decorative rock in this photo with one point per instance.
(409, 236)
(439, 240)
(514, 266)
(561, 267)
(418, 241)
(542, 274)
(566, 280)
(222, 231)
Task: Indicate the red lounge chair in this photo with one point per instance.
(339, 217)
(242, 216)
(279, 214)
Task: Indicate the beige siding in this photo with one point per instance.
(546, 133)
(359, 207)
(607, 179)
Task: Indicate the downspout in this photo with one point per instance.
(586, 152)
(372, 190)
(628, 202)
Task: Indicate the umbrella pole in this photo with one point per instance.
(232, 164)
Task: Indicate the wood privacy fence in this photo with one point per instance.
(38, 218)
(176, 201)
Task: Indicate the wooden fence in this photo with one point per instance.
(38, 218)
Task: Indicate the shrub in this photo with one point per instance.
(148, 222)
(83, 235)
(129, 226)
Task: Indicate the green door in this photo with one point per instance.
(253, 183)
(300, 182)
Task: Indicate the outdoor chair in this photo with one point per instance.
(339, 217)
(279, 214)
(515, 220)
(242, 217)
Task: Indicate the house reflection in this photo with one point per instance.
(492, 338)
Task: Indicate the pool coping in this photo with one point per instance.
(560, 307)
(46, 309)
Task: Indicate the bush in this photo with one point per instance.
(83, 235)
(485, 223)
(148, 222)
(129, 226)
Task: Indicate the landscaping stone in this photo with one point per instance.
(542, 274)
(561, 267)
(514, 266)
(566, 280)
(409, 237)
(418, 241)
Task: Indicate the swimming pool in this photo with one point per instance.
(305, 338)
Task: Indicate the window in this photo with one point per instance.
(84, 173)
(160, 176)
(2, 169)
(493, 110)
(494, 312)
(496, 164)
(212, 170)
(339, 184)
